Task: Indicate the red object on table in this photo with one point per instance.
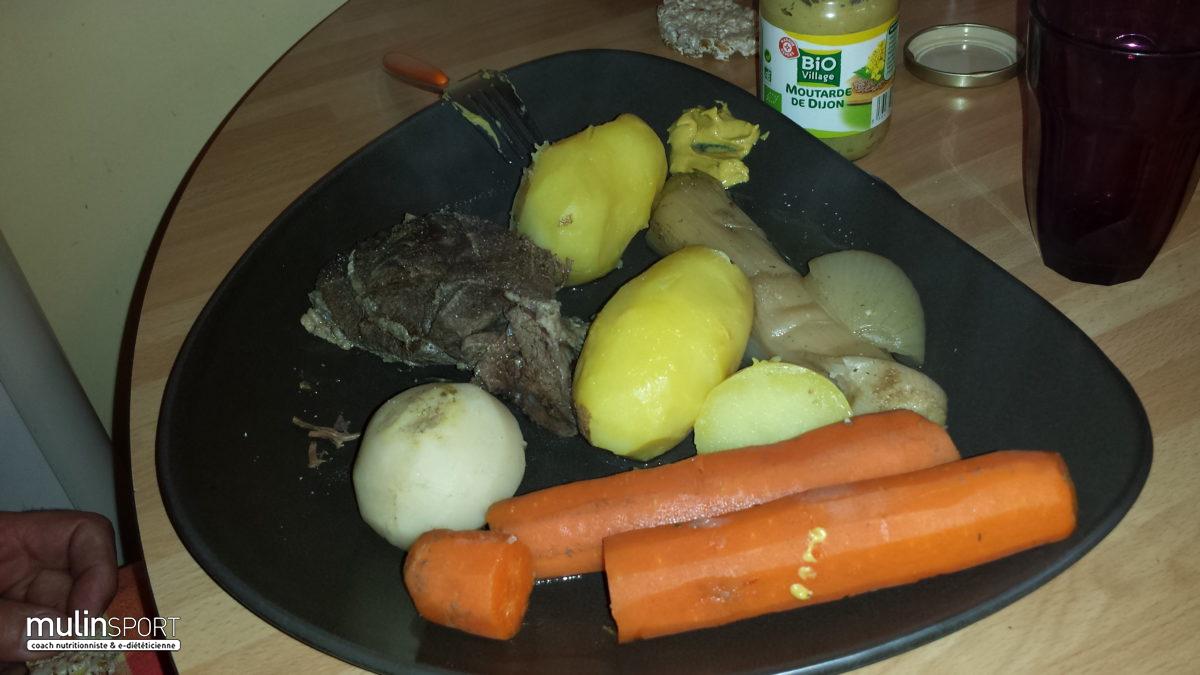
(133, 599)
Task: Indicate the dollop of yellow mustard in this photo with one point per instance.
(815, 536)
(713, 141)
(476, 120)
(800, 592)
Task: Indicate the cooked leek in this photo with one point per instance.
(694, 210)
(875, 385)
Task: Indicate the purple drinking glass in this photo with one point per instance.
(1112, 133)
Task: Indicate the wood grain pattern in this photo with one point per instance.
(1127, 606)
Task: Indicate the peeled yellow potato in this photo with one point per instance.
(656, 349)
(585, 196)
(767, 402)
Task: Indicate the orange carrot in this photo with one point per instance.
(565, 525)
(475, 581)
(830, 543)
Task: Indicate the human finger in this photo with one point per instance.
(93, 564)
(76, 542)
(50, 588)
(16, 628)
(60, 539)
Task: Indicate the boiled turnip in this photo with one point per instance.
(436, 456)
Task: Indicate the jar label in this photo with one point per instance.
(832, 85)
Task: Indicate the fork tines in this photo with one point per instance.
(490, 95)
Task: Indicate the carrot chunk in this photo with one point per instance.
(833, 542)
(475, 581)
(564, 526)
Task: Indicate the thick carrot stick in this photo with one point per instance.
(475, 581)
(565, 525)
(837, 541)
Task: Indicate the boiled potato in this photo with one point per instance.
(656, 349)
(585, 196)
(436, 456)
(766, 402)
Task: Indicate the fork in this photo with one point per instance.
(487, 99)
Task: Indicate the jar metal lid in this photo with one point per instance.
(963, 55)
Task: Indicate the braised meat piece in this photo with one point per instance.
(446, 289)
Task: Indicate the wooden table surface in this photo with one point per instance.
(1129, 606)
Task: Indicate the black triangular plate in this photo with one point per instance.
(288, 543)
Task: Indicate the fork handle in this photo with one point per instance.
(416, 72)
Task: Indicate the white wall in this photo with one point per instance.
(103, 106)
(27, 481)
(54, 452)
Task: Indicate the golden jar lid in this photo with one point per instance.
(963, 55)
